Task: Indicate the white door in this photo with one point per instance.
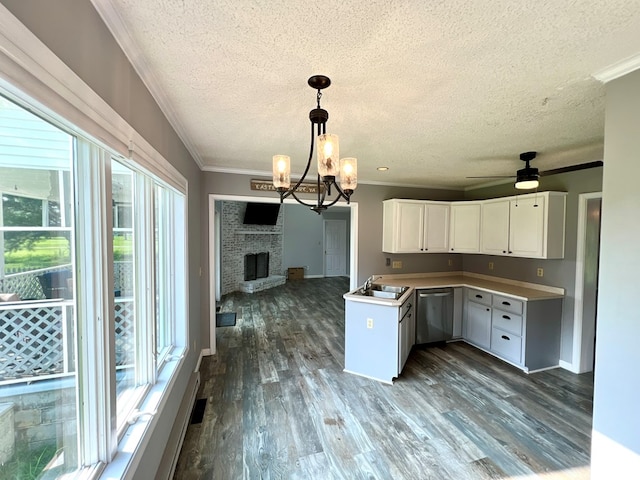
(335, 248)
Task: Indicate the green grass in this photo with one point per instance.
(51, 252)
(27, 464)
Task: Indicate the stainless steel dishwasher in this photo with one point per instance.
(434, 320)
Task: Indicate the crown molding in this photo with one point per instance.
(118, 28)
(618, 69)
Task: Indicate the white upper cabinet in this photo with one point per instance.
(436, 235)
(415, 226)
(494, 230)
(530, 225)
(537, 225)
(464, 234)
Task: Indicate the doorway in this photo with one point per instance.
(215, 260)
(586, 292)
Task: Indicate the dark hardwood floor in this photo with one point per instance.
(280, 406)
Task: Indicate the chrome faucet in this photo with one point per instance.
(369, 282)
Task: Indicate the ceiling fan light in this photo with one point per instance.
(527, 178)
(526, 184)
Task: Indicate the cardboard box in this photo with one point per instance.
(295, 273)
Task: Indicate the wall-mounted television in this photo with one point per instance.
(261, 213)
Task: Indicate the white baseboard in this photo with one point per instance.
(568, 366)
(205, 352)
(176, 438)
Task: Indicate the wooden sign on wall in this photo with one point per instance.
(267, 185)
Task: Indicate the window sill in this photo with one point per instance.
(136, 436)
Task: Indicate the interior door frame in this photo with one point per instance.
(214, 242)
(581, 325)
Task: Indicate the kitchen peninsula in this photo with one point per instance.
(517, 322)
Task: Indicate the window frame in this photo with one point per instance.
(34, 78)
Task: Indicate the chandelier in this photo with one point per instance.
(330, 166)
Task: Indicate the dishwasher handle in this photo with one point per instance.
(441, 294)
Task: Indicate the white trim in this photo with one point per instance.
(268, 174)
(568, 366)
(577, 364)
(63, 98)
(618, 69)
(212, 274)
(117, 26)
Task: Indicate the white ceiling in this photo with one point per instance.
(435, 90)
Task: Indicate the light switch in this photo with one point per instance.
(397, 264)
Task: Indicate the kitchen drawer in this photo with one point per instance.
(479, 296)
(406, 307)
(506, 345)
(507, 303)
(507, 321)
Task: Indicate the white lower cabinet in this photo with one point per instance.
(525, 334)
(478, 324)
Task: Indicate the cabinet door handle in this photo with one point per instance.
(409, 306)
(506, 303)
(478, 296)
(510, 251)
(506, 317)
(504, 337)
(504, 251)
(488, 309)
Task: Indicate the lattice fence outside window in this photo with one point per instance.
(36, 341)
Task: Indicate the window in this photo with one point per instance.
(92, 293)
(38, 375)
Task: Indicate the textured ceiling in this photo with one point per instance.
(435, 90)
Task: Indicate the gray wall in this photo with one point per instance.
(75, 33)
(304, 237)
(371, 259)
(557, 273)
(616, 416)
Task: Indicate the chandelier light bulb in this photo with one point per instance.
(348, 173)
(328, 155)
(281, 171)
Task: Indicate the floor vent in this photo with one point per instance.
(198, 411)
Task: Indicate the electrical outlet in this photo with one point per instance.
(388, 262)
(540, 272)
(450, 262)
(369, 322)
(490, 265)
(397, 264)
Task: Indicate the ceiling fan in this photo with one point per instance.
(527, 178)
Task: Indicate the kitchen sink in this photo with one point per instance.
(383, 291)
